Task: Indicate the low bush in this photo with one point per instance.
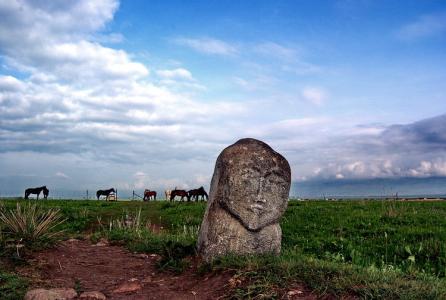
(29, 226)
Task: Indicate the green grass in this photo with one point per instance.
(371, 249)
(409, 236)
(12, 287)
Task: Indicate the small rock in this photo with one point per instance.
(72, 240)
(102, 242)
(51, 294)
(292, 293)
(128, 288)
(141, 255)
(148, 279)
(40, 294)
(65, 293)
(133, 279)
(234, 282)
(95, 295)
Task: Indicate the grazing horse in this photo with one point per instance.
(167, 194)
(148, 195)
(181, 193)
(37, 191)
(196, 193)
(105, 193)
(45, 193)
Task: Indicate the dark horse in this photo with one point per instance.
(37, 191)
(196, 193)
(180, 193)
(105, 193)
(148, 195)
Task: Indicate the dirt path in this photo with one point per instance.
(118, 273)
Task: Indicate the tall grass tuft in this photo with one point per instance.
(129, 222)
(30, 223)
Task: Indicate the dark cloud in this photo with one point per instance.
(428, 134)
(414, 150)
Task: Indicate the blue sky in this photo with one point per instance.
(137, 94)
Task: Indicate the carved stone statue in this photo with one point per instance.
(248, 195)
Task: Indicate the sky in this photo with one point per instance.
(146, 94)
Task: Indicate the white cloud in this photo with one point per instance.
(77, 95)
(424, 27)
(429, 168)
(314, 95)
(9, 83)
(178, 73)
(275, 50)
(208, 46)
(61, 175)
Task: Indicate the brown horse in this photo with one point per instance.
(148, 194)
(180, 193)
(196, 193)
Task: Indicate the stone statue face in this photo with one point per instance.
(258, 183)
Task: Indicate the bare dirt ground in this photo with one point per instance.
(120, 274)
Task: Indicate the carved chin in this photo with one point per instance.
(254, 225)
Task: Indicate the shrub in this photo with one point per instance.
(29, 224)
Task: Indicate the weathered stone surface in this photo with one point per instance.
(95, 295)
(249, 193)
(51, 294)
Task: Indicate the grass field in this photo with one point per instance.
(370, 249)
